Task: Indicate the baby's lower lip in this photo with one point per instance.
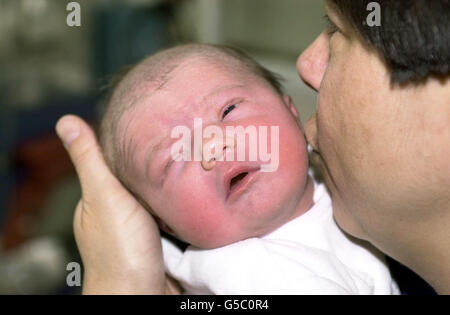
(243, 185)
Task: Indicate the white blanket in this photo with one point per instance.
(308, 255)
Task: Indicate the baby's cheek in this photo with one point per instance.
(201, 220)
(293, 151)
(283, 138)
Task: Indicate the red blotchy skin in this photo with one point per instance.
(191, 200)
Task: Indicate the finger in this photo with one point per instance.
(81, 144)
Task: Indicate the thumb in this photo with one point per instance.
(84, 151)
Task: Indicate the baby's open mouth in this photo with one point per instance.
(238, 179)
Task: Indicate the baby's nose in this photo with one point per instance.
(213, 151)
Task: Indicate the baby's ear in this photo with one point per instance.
(290, 104)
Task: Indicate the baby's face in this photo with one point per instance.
(211, 205)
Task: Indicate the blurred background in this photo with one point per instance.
(48, 69)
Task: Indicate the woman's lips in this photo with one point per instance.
(316, 157)
(239, 179)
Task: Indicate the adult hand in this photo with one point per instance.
(118, 239)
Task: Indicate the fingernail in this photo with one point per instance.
(68, 130)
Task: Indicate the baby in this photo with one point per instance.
(252, 229)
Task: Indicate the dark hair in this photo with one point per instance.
(413, 38)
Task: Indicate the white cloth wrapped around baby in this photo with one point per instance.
(308, 255)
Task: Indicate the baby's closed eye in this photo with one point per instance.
(228, 110)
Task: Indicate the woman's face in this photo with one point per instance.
(384, 149)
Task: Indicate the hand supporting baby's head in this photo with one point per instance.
(203, 136)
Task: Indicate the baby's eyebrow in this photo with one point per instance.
(165, 142)
(212, 94)
(150, 153)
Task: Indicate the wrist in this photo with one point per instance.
(101, 283)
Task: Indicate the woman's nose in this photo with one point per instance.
(213, 150)
(313, 62)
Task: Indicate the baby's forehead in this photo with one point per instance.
(181, 97)
(184, 88)
(195, 67)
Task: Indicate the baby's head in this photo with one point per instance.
(207, 202)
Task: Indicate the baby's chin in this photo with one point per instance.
(216, 241)
(212, 242)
